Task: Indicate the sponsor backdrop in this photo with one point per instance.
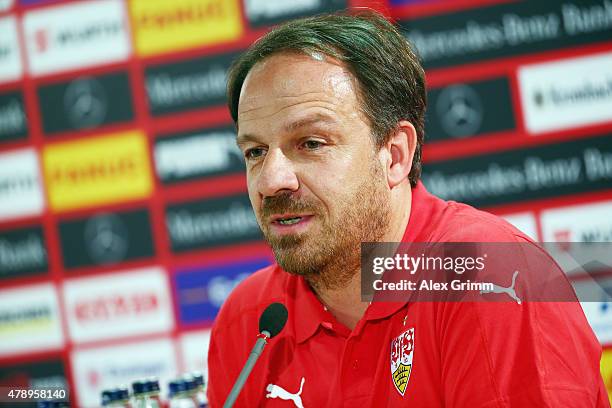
(124, 219)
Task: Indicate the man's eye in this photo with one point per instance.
(254, 153)
(312, 144)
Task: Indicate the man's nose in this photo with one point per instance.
(277, 174)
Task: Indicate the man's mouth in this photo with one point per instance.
(288, 221)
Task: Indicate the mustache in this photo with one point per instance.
(286, 203)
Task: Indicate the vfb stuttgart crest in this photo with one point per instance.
(402, 349)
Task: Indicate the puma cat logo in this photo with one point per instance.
(507, 290)
(275, 391)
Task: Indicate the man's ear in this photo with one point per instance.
(401, 146)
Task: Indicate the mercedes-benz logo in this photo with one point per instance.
(106, 238)
(459, 110)
(85, 102)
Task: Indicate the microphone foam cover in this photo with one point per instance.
(273, 319)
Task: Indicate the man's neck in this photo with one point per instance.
(345, 302)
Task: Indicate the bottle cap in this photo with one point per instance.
(198, 377)
(122, 393)
(190, 383)
(52, 404)
(108, 396)
(176, 386)
(152, 384)
(138, 387)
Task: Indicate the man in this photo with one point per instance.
(330, 114)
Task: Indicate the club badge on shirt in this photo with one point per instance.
(402, 349)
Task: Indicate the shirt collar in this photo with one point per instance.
(425, 208)
(311, 311)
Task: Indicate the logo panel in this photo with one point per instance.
(118, 305)
(564, 94)
(599, 315)
(504, 30)
(13, 121)
(31, 2)
(97, 369)
(29, 319)
(525, 222)
(580, 223)
(262, 13)
(35, 375)
(194, 348)
(211, 223)
(76, 35)
(199, 154)
(6, 4)
(463, 110)
(402, 350)
(201, 292)
(97, 171)
(22, 253)
(11, 68)
(20, 187)
(606, 369)
(162, 26)
(106, 239)
(402, 2)
(187, 85)
(570, 167)
(86, 102)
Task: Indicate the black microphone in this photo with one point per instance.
(271, 322)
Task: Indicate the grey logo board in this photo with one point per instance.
(106, 238)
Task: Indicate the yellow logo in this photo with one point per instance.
(162, 25)
(96, 171)
(606, 371)
(402, 349)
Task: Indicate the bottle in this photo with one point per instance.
(139, 396)
(201, 399)
(179, 398)
(116, 398)
(144, 394)
(52, 404)
(152, 387)
(190, 387)
(107, 396)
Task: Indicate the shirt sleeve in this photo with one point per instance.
(502, 354)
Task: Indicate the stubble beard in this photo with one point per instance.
(328, 258)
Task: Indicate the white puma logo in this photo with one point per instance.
(274, 391)
(508, 291)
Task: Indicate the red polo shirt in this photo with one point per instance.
(469, 354)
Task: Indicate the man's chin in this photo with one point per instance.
(296, 260)
(291, 242)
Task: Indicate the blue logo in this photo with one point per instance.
(200, 292)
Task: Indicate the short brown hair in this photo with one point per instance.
(390, 77)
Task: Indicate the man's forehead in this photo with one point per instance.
(289, 75)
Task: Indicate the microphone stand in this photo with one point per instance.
(262, 340)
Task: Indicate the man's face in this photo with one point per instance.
(313, 175)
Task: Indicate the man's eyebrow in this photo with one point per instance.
(290, 127)
(245, 137)
(309, 120)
